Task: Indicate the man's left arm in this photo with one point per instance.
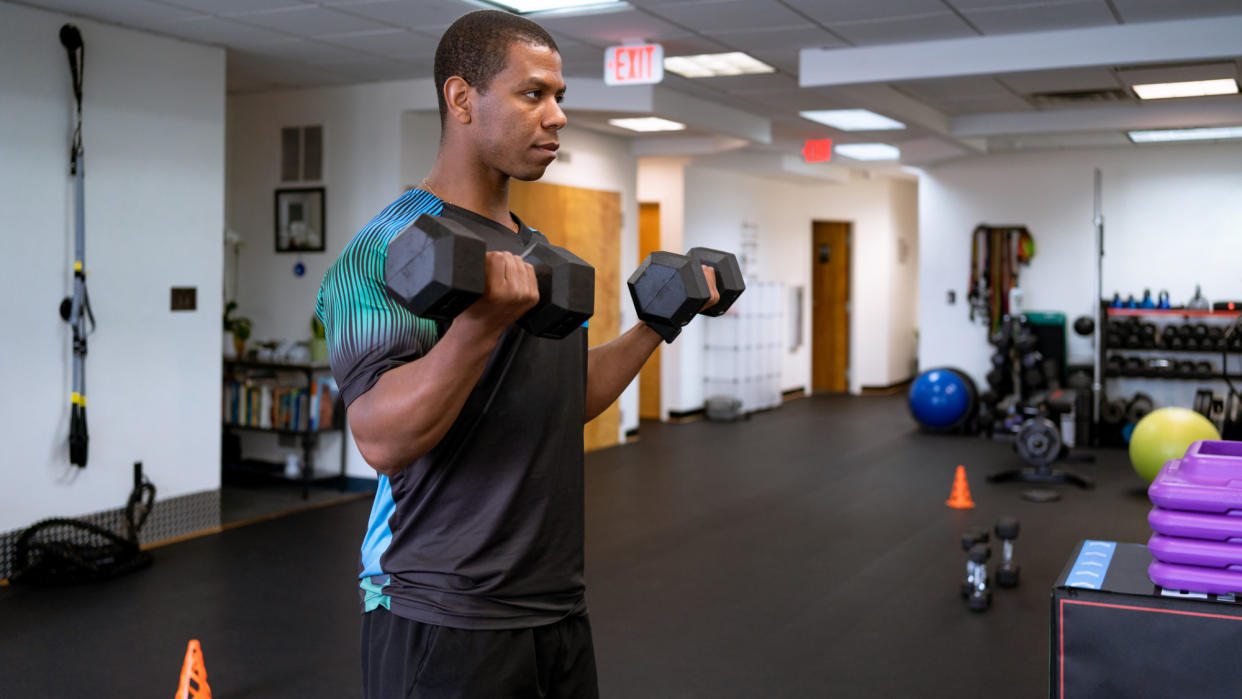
(613, 365)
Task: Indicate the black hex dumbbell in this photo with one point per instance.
(980, 597)
(970, 539)
(437, 267)
(1007, 531)
(669, 289)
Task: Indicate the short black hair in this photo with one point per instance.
(476, 48)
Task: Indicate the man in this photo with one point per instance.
(472, 562)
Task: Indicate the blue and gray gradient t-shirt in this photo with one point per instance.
(486, 530)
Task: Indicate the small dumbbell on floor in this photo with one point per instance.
(1007, 532)
(970, 539)
(980, 597)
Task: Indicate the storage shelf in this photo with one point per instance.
(296, 433)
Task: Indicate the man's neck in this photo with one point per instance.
(471, 186)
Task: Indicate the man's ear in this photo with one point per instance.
(457, 96)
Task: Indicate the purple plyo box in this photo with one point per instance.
(1197, 525)
(1207, 479)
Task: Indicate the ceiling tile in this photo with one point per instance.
(607, 28)
(305, 50)
(859, 10)
(309, 21)
(692, 46)
(1061, 80)
(765, 39)
(134, 13)
(1040, 17)
(790, 100)
(980, 105)
(729, 83)
(392, 43)
(784, 58)
(416, 14)
(1157, 10)
(223, 7)
(216, 30)
(730, 15)
(944, 25)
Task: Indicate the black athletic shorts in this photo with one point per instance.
(403, 658)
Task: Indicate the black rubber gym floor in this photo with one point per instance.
(806, 552)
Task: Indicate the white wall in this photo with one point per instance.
(718, 203)
(1173, 218)
(904, 309)
(379, 138)
(154, 140)
(662, 181)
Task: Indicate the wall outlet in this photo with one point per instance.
(184, 298)
(952, 296)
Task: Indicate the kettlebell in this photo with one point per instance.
(1147, 302)
(1163, 300)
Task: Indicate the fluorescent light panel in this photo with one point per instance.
(647, 124)
(852, 119)
(1204, 134)
(524, 7)
(710, 65)
(868, 151)
(1193, 88)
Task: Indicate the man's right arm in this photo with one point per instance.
(410, 408)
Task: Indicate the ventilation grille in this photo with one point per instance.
(1075, 97)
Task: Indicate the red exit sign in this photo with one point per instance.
(817, 150)
(636, 64)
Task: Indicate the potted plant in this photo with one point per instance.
(319, 341)
(238, 328)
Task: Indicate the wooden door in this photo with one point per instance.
(649, 376)
(588, 223)
(830, 295)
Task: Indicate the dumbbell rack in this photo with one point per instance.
(742, 348)
(1169, 376)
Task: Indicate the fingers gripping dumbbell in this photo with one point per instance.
(1007, 531)
(436, 268)
(669, 289)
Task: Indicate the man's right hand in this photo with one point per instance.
(511, 291)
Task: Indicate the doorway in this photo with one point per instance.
(649, 376)
(830, 306)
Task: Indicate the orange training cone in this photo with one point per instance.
(959, 497)
(193, 674)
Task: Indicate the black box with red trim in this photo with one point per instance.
(1115, 633)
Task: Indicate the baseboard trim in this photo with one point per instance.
(886, 390)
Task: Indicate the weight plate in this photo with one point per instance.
(1039, 441)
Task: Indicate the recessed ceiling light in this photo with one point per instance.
(525, 7)
(852, 119)
(648, 124)
(709, 65)
(868, 151)
(1193, 88)
(1204, 134)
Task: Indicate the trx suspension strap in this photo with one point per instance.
(76, 309)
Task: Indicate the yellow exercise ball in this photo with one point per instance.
(1165, 434)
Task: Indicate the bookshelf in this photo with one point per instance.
(291, 400)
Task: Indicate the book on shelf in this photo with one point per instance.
(267, 403)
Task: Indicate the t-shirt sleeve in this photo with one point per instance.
(368, 333)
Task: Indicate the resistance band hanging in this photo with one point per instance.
(76, 309)
(996, 252)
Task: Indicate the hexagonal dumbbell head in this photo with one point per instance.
(729, 281)
(566, 291)
(668, 288)
(436, 267)
(1007, 528)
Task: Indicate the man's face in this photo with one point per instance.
(519, 116)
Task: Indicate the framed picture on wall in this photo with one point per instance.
(300, 219)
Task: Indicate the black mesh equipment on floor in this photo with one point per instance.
(63, 551)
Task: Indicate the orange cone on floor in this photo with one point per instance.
(193, 674)
(959, 497)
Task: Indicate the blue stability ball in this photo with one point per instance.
(939, 398)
